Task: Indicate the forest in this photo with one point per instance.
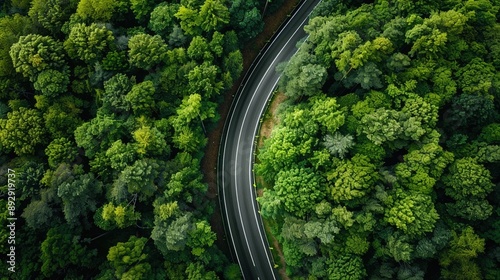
(385, 159)
(105, 107)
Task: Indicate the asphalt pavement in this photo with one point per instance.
(236, 155)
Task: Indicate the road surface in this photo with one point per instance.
(235, 176)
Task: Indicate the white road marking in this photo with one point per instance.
(237, 148)
(271, 67)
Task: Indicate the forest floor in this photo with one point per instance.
(209, 162)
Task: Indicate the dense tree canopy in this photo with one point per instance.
(392, 109)
(105, 108)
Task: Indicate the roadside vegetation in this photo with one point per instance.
(104, 111)
(385, 162)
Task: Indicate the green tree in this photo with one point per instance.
(338, 145)
(39, 214)
(201, 237)
(63, 117)
(422, 167)
(150, 141)
(196, 271)
(246, 19)
(116, 61)
(413, 213)
(352, 179)
(300, 190)
(61, 150)
(381, 126)
(233, 63)
(146, 51)
(138, 178)
(472, 209)
(22, 131)
(374, 51)
(186, 180)
(121, 155)
(52, 83)
(35, 53)
(100, 11)
(110, 216)
(11, 28)
(129, 260)
(325, 231)
(325, 111)
(470, 112)
(162, 19)
(302, 76)
(213, 15)
(490, 134)
(458, 259)
(51, 14)
(79, 197)
(466, 179)
(199, 49)
(232, 272)
(346, 267)
(189, 140)
(270, 204)
(189, 20)
(203, 79)
(141, 98)
(141, 8)
(399, 248)
(62, 248)
(98, 134)
(115, 90)
(192, 108)
(286, 147)
(173, 236)
(476, 77)
(88, 42)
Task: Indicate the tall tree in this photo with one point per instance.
(62, 248)
(22, 131)
(88, 42)
(300, 189)
(146, 51)
(35, 53)
(128, 259)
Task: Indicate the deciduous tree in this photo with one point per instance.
(88, 42)
(128, 259)
(300, 190)
(35, 53)
(22, 131)
(146, 51)
(352, 179)
(61, 248)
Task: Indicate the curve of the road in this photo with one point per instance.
(236, 153)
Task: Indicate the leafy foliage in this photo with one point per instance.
(393, 105)
(35, 53)
(104, 111)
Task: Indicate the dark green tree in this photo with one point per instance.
(51, 14)
(62, 248)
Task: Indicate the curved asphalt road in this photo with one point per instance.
(236, 180)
